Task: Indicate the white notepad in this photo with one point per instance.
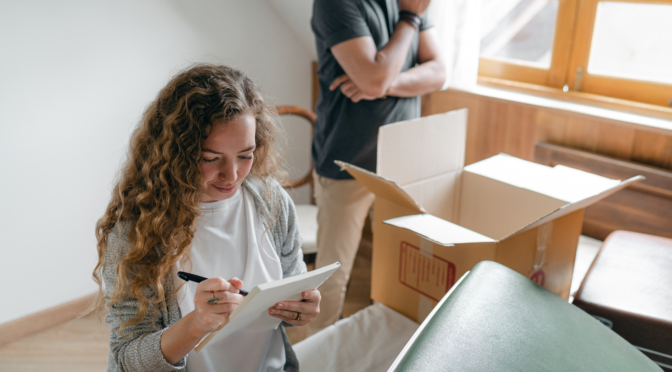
(252, 313)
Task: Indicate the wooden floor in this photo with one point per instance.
(359, 289)
(76, 346)
(82, 345)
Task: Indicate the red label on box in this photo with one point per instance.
(431, 276)
(539, 277)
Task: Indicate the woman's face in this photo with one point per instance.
(227, 157)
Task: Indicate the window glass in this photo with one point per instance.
(632, 40)
(519, 31)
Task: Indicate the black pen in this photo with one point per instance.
(197, 279)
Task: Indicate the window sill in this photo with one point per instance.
(656, 118)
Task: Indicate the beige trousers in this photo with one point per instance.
(342, 209)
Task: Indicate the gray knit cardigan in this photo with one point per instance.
(142, 350)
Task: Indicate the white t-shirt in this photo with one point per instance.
(227, 244)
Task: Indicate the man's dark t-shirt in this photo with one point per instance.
(346, 130)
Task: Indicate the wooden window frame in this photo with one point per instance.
(553, 76)
(571, 51)
(635, 90)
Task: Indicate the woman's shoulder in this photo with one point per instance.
(274, 204)
(259, 183)
(267, 191)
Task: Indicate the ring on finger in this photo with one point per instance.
(213, 299)
(298, 316)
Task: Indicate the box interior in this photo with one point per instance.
(502, 195)
(420, 166)
(498, 209)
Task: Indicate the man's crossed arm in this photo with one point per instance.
(371, 74)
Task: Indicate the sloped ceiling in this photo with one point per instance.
(296, 14)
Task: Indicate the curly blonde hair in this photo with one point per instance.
(158, 189)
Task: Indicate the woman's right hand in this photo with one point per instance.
(208, 316)
(181, 337)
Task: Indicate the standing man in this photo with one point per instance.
(376, 57)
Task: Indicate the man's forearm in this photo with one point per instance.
(422, 79)
(374, 71)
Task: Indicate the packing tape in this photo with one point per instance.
(425, 305)
(426, 248)
(544, 234)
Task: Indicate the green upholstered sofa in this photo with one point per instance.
(495, 319)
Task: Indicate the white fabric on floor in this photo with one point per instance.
(368, 340)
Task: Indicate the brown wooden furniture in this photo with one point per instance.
(628, 288)
(644, 207)
(311, 117)
(306, 213)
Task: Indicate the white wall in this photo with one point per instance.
(75, 77)
(297, 14)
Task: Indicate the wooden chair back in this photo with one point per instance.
(310, 116)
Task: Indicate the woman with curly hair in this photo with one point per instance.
(198, 193)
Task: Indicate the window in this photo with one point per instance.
(616, 48)
(519, 31)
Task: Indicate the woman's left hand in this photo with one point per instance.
(298, 313)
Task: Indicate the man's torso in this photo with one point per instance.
(346, 130)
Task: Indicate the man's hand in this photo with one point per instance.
(416, 6)
(350, 89)
(298, 313)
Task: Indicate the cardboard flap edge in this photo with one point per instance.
(402, 198)
(434, 228)
(571, 207)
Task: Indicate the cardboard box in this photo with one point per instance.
(434, 218)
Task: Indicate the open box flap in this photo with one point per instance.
(495, 208)
(569, 208)
(559, 182)
(381, 186)
(440, 195)
(415, 150)
(438, 230)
